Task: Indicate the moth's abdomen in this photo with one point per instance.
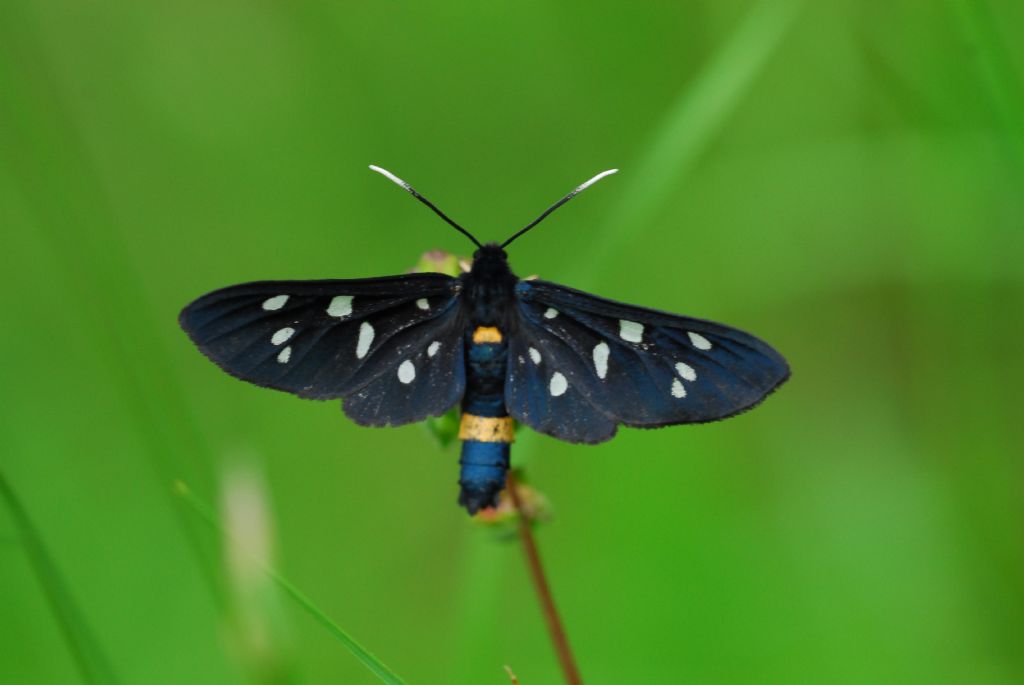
(486, 429)
(482, 474)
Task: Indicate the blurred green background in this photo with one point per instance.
(843, 178)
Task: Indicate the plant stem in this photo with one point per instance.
(540, 581)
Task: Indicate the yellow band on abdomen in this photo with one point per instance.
(486, 334)
(486, 428)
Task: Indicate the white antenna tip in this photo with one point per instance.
(587, 184)
(390, 176)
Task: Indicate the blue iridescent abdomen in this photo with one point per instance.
(486, 428)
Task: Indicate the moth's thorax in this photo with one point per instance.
(489, 288)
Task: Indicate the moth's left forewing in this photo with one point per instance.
(640, 366)
(350, 339)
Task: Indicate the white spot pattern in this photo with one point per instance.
(422, 303)
(601, 352)
(631, 331)
(284, 355)
(274, 303)
(341, 305)
(365, 339)
(699, 341)
(551, 313)
(282, 335)
(686, 371)
(406, 372)
(558, 385)
(433, 348)
(678, 391)
(535, 355)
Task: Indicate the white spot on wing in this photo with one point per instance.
(699, 341)
(340, 306)
(551, 313)
(535, 355)
(686, 371)
(422, 303)
(282, 335)
(558, 385)
(631, 331)
(284, 355)
(365, 339)
(275, 302)
(678, 391)
(601, 352)
(433, 348)
(406, 372)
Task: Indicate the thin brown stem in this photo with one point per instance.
(547, 601)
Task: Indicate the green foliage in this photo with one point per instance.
(841, 178)
(92, 663)
(364, 656)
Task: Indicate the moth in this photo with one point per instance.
(566, 363)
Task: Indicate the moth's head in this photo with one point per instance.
(491, 252)
(490, 261)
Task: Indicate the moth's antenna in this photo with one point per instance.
(412, 191)
(579, 189)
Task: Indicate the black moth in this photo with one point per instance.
(399, 349)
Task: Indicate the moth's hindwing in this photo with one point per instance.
(391, 347)
(581, 365)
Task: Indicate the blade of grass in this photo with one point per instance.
(996, 69)
(90, 659)
(54, 171)
(689, 127)
(367, 658)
